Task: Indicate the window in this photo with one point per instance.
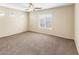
(13, 14)
(2, 14)
(45, 21)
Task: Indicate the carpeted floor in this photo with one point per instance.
(30, 43)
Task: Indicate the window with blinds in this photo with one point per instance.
(45, 21)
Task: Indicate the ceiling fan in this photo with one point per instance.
(31, 7)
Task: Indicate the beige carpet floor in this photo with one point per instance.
(31, 43)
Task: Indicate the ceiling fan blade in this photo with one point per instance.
(38, 8)
(30, 3)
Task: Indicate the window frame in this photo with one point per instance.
(2, 14)
(45, 16)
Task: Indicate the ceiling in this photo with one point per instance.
(24, 6)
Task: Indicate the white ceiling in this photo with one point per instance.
(23, 6)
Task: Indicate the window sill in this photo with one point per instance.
(45, 28)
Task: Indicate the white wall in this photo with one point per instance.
(77, 26)
(10, 25)
(63, 21)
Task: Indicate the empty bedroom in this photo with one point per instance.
(37, 29)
